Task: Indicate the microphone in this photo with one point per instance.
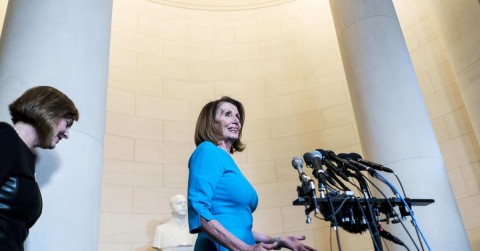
(297, 163)
(332, 166)
(341, 161)
(376, 166)
(307, 184)
(318, 172)
(359, 165)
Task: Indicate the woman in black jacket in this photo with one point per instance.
(41, 117)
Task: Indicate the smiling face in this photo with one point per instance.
(62, 130)
(227, 122)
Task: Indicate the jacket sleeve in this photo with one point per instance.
(205, 170)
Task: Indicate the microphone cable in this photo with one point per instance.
(408, 209)
(391, 206)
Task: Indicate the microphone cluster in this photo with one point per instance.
(336, 201)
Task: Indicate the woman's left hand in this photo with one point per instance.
(293, 243)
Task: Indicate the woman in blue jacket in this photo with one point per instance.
(220, 199)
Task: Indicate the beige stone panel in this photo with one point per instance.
(294, 218)
(120, 101)
(176, 50)
(232, 18)
(471, 174)
(123, 59)
(290, 83)
(200, 34)
(334, 138)
(458, 183)
(299, 25)
(114, 247)
(116, 199)
(251, 69)
(162, 152)
(276, 194)
(351, 242)
(338, 115)
(134, 42)
(135, 82)
(157, 28)
(120, 148)
(140, 7)
(273, 149)
(458, 123)
(274, 66)
(119, 227)
(134, 127)
(319, 9)
(330, 74)
(319, 98)
(201, 71)
(283, 47)
(442, 75)
(188, 51)
(235, 52)
(185, 16)
(126, 20)
(226, 71)
(317, 57)
(425, 83)
(279, 12)
(162, 108)
(427, 31)
(200, 52)
(297, 124)
(259, 172)
(177, 176)
(150, 151)
(3, 10)
(258, 33)
(460, 152)
(162, 67)
(189, 89)
(411, 39)
(240, 157)
(322, 36)
(179, 131)
(410, 16)
(444, 101)
(151, 200)
(269, 107)
(267, 221)
(256, 129)
(249, 88)
(474, 238)
(428, 56)
(195, 108)
(130, 173)
(441, 130)
(469, 211)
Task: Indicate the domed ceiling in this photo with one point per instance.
(224, 5)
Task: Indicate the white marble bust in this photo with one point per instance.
(174, 234)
